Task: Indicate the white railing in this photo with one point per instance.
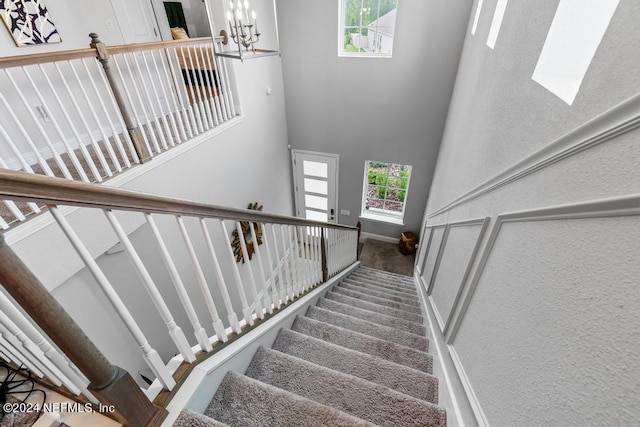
(75, 116)
(283, 257)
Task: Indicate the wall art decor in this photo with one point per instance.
(29, 22)
(247, 237)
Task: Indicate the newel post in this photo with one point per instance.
(323, 253)
(110, 384)
(132, 128)
(359, 225)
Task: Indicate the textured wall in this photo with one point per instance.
(545, 331)
(371, 108)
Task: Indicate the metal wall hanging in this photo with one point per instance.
(246, 235)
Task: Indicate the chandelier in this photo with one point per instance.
(243, 33)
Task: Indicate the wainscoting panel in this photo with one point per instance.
(431, 258)
(423, 249)
(455, 264)
(548, 333)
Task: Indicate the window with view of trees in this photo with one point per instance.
(385, 189)
(367, 27)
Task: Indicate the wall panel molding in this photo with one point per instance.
(616, 207)
(421, 259)
(612, 123)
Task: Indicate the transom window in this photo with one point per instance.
(385, 191)
(367, 27)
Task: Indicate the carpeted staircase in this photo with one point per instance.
(358, 358)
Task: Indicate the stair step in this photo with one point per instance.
(371, 306)
(381, 294)
(192, 419)
(355, 396)
(400, 278)
(363, 343)
(377, 300)
(368, 328)
(245, 402)
(372, 284)
(401, 378)
(372, 316)
(407, 284)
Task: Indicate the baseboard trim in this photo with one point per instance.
(365, 236)
(263, 334)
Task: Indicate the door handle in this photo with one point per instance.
(332, 214)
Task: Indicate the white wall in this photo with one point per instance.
(542, 329)
(371, 108)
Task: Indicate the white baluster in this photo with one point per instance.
(150, 355)
(75, 382)
(96, 119)
(62, 108)
(194, 99)
(222, 285)
(107, 117)
(281, 280)
(252, 285)
(169, 90)
(295, 259)
(201, 94)
(175, 332)
(272, 276)
(81, 116)
(246, 310)
(265, 291)
(70, 152)
(134, 110)
(301, 233)
(218, 327)
(180, 91)
(23, 355)
(172, 119)
(41, 160)
(286, 250)
(150, 103)
(226, 87)
(222, 116)
(204, 70)
(198, 330)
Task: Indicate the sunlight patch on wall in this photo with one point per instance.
(575, 34)
(496, 23)
(477, 17)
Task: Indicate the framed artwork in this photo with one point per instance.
(28, 22)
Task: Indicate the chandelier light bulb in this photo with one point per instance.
(253, 15)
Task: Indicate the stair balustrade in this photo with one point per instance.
(88, 114)
(295, 255)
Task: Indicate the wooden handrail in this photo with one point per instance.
(58, 191)
(67, 55)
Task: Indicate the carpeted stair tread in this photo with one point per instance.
(400, 278)
(381, 294)
(366, 305)
(375, 369)
(372, 316)
(370, 284)
(364, 343)
(245, 402)
(377, 300)
(192, 419)
(401, 281)
(368, 328)
(381, 281)
(347, 393)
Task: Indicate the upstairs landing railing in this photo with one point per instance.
(295, 256)
(89, 114)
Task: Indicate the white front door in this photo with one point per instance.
(315, 177)
(136, 20)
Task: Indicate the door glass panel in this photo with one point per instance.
(316, 202)
(321, 170)
(317, 216)
(315, 186)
